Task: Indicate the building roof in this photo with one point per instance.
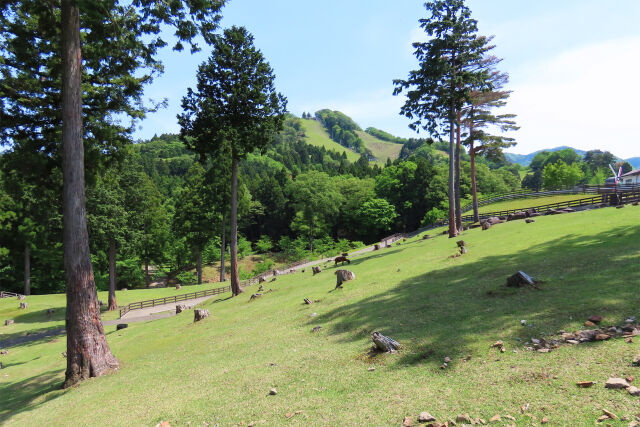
(632, 173)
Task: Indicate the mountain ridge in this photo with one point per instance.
(525, 159)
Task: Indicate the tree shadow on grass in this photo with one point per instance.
(26, 395)
(445, 312)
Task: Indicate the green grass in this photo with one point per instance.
(35, 318)
(530, 202)
(318, 136)
(382, 150)
(220, 370)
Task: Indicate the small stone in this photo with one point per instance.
(502, 350)
(371, 369)
(407, 422)
(630, 319)
(495, 419)
(425, 417)
(199, 314)
(602, 337)
(629, 378)
(447, 359)
(163, 424)
(602, 418)
(609, 414)
(23, 306)
(544, 350)
(464, 418)
(289, 414)
(509, 417)
(589, 324)
(573, 342)
(316, 329)
(628, 340)
(4, 351)
(595, 318)
(634, 391)
(497, 344)
(444, 366)
(585, 384)
(544, 420)
(616, 383)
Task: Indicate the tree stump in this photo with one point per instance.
(180, 308)
(463, 250)
(23, 305)
(8, 322)
(376, 247)
(21, 297)
(425, 237)
(529, 220)
(486, 225)
(100, 303)
(316, 270)
(460, 243)
(384, 343)
(199, 314)
(50, 311)
(254, 296)
(178, 286)
(121, 326)
(307, 301)
(261, 279)
(343, 276)
(273, 280)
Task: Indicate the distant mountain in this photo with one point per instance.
(634, 161)
(525, 159)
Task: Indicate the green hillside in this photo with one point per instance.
(318, 136)
(219, 371)
(382, 150)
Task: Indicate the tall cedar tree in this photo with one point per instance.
(46, 82)
(445, 79)
(235, 106)
(477, 116)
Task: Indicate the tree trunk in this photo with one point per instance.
(474, 188)
(88, 354)
(113, 305)
(233, 245)
(457, 183)
(453, 231)
(223, 249)
(27, 268)
(147, 279)
(199, 266)
(311, 238)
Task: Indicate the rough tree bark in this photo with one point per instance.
(88, 354)
(474, 188)
(453, 231)
(199, 266)
(27, 268)
(223, 248)
(112, 304)
(457, 178)
(233, 244)
(147, 278)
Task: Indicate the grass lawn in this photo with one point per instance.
(220, 370)
(382, 150)
(530, 202)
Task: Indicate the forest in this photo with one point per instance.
(153, 204)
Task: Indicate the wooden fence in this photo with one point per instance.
(5, 294)
(626, 197)
(176, 298)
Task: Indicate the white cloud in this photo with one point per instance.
(586, 98)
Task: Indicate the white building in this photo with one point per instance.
(632, 177)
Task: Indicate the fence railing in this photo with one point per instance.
(175, 298)
(626, 197)
(5, 294)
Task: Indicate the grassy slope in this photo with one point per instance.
(318, 136)
(382, 150)
(530, 202)
(220, 370)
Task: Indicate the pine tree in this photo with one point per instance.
(445, 79)
(235, 106)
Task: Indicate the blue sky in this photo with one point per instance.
(573, 64)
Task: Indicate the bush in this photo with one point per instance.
(264, 245)
(262, 267)
(186, 278)
(433, 217)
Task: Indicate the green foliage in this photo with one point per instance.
(560, 175)
(434, 216)
(264, 244)
(385, 136)
(342, 129)
(377, 216)
(261, 267)
(186, 278)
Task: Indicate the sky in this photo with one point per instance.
(573, 64)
